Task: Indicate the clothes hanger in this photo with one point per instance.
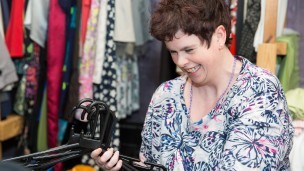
(84, 143)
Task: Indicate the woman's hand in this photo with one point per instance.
(107, 161)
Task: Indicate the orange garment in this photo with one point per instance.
(81, 167)
(14, 33)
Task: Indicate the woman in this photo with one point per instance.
(224, 113)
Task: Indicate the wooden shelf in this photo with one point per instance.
(269, 49)
(9, 128)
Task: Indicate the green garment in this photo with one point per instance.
(289, 72)
(42, 128)
(295, 101)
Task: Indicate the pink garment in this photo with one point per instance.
(299, 126)
(89, 51)
(14, 33)
(55, 57)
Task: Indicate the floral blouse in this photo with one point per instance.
(249, 130)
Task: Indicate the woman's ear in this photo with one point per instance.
(220, 33)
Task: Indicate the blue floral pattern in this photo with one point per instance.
(250, 128)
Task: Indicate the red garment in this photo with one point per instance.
(14, 33)
(233, 44)
(85, 10)
(233, 8)
(55, 57)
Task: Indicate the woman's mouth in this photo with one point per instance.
(193, 69)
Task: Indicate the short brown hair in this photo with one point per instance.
(198, 17)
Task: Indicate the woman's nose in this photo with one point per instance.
(181, 60)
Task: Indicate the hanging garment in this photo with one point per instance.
(124, 26)
(246, 48)
(5, 105)
(55, 57)
(259, 34)
(14, 33)
(71, 11)
(31, 94)
(1, 22)
(281, 15)
(8, 73)
(127, 81)
(6, 13)
(19, 103)
(233, 12)
(71, 84)
(85, 8)
(101, 42)
(134, 99)
(21, 66)
(289, 72)
(36, 20)
(56, 50)
(141, 15)
(297, 152)
(106, 91)
(72, 14)
(239, 23)
(28, 51)
(39, 98)
(124, 36)
(89, 51)
(27, 99)
(294, 21)
(295, 101)
(28, 140)
(42, 126)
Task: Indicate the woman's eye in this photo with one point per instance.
(173, 52)
(189, 50)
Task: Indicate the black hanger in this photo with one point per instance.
(84, 143)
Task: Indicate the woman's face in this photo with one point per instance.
(193, 57)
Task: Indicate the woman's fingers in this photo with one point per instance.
(113, 161)
(106, 156)
(108, 160)
(95, 154)
(118, 166)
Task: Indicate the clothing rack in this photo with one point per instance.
(269, 49)
(266, 58)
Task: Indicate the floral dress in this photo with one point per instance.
(250, 129)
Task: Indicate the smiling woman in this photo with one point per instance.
(223, 113)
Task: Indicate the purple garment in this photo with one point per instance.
(295, 13)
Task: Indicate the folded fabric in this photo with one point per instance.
(289, 72)
(299, 127)
(295, 101)
(298, 124)
(297, 153)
